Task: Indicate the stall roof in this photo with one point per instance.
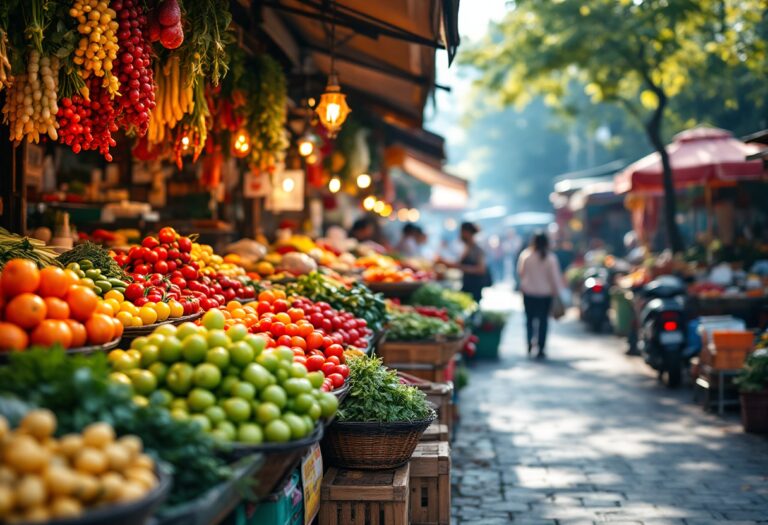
(385, 50)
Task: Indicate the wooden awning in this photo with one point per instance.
(384, 50)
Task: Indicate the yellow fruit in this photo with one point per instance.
(132, 444)
(39, 423)
(142, 476)
(91, 461)
(60, 480)
(125, 318)
(177, 310)
(129, 307)
(88, 487)
(66, 508)
(98, 435)
(136, 321)
(70, 444)
(7, 499)
(24, 454)
(30, 492)
(111, 484)
(118, 456)
(114, 294)
(163, 311)
(114, 304)
(143, 461)
(131, 491)
(147, 314)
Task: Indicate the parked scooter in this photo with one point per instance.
(595, 300)
(662, 324)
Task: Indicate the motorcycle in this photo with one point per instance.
(662, 339)
(595, 301)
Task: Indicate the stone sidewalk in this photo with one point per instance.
(589, 436)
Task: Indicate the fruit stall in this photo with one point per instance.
(178, 342)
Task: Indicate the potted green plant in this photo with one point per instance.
(753, 384)
(488, 332)
(380, 421)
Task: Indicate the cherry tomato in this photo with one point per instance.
(333, 359)
(300, 359)
(315, 362)
(284, 340)
(334, 350)
(337, 380)
(278, 329)
(343, 370)
(299, 342)
(298, 352)
(150, 242)
(167, 235)
(328, 368)
(280, 305)
(314, 340)
(296, 314)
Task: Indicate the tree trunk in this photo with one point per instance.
(653, 129)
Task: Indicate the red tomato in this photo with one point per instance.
(264, 325)
(343, 370)
(305, 329)
(263, 307)
(278, 328)
(280, 305)
(334, 350)
(291, 329)
(284, 340)
(314, 340)
(328, 368)
(333, 359)
(299, 352)
(167, 235)
(300, 359)
(315, 362)
(296, 314)
(337, 380)
(299, 341)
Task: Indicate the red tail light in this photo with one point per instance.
(670, 326)
(597, 288)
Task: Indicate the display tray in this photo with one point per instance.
(133, 332)
(279, 460)
(399, 290)
(81, 350)
(216, 504)
(131, 513)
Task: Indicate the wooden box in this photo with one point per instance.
(431, 484)
(729, 348)
(434, 353)
(434, 373)
(436, 432)
(365, 497)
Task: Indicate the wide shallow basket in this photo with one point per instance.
(131, 513)
(279, 460)
(399, 290)
(81, 350)
(372, 446)
(132, 332)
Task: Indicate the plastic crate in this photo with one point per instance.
(286, 507)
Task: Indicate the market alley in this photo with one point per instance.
(589, 436)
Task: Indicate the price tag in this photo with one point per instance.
(312, 480)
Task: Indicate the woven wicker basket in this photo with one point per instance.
(372, 446)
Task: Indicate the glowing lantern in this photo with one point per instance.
(334, 185)
(241, 144)
(333, 109)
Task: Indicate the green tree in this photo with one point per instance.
(638, 54)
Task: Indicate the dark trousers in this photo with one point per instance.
(537, 310)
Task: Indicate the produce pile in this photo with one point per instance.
(409, 325)
(395, 275)
(49, 306)
(228, 382)
(455, 303)
(91, 469)
(13, 246)
(357, 298)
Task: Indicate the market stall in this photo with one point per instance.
(179, 342)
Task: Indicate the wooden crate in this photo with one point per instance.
(434, 353)
(729, 348)
(436, 432)
(431, 484)
(365, 497)
(427, 372)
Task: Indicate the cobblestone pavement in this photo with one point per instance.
(589, 436)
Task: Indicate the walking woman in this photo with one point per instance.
(540, 281)
(472, 263)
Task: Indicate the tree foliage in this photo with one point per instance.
(639, 54)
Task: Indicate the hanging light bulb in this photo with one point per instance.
(363, 181)
(241, 144)
(306, 146)
(333, 109)
(414, 215)
(387, 211)
(288, 185)
(185, 142)
(312, 159)
(369, 202)
(334, 185)
(378, 207)
(402, 215)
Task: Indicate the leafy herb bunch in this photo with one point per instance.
(377, 395)
(412, 326)
(754, 376)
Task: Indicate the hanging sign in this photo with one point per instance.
(256, 184)
(287, 191)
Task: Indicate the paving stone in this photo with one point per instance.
(589, 436)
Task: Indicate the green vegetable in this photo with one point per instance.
(754, 376)
(91, 257)
(377, 395)
(78, 390)
(358, 299)
(455, 302)
(412, 326)
(14, 246)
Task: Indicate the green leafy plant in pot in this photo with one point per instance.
(489, 329)
(380, 421)
(753, 382)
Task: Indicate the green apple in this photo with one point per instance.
(179, 378)
(243, 390)
(241, 354)
(297, 385)
(229, 430)
(250, 433)
(316, 378)
(207, 376)
(267, 412)
(213, 319)
(277, 431)
(274, 394)
(256, 375)
(200, 400)
(238, 410)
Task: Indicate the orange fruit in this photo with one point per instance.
(267, 296)
(79, 335)
(54, 282)
(118, 328)
(279, 294)
(57, 308)
(82, 302)
(105, 308)
(19, 276)
(26, 310)
(12, 337)
(50, 332)
(100, 328)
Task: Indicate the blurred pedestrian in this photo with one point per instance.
(472, 263)
(540, 282)
(409, 241)
(362, 229)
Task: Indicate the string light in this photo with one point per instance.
(378, 207)
(306, 146)
(369, 202)
(402, 214)
(334, 185)
(387, 211)
(414, 215)
(363, 181)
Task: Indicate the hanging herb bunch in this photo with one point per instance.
(262, 82)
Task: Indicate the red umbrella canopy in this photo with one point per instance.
(698, 156)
